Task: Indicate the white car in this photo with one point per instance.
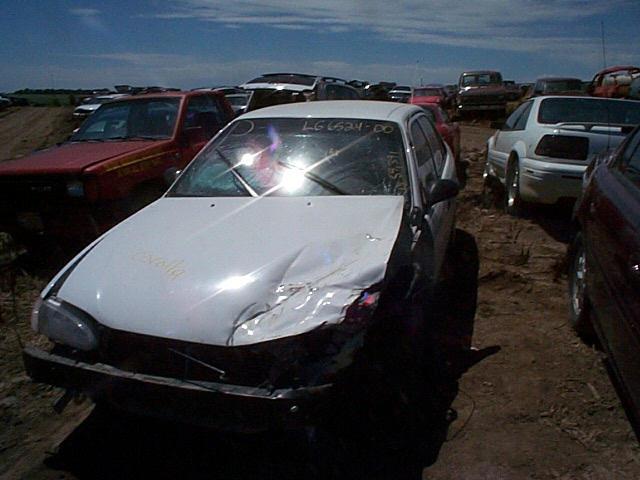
(302, 242)
(544, 147)
(90, 105)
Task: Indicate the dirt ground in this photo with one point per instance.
(24, 129)
(542, 408)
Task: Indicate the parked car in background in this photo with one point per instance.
(513, 90)
(541, 152)
(557, 86)
(282, 88)
(91, 104)
(4, 102)
(110, 167)
(238, 101)
(290, 266)
(613, 82)
(481, 91)
(400, 93)
(429, 94)
(604, 270)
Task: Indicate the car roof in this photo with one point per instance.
(365, 109)
(616, 68)
(173, 93)
(477, 72)
(583, 97)
(556, 79)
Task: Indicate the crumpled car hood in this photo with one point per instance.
(236, 271)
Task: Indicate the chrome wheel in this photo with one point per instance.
(513, 193)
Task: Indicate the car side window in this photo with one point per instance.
(204, 111)
(521, 124)
(510, 123)
(438, 150)
(629, 163)
(424, 156)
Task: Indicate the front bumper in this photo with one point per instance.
(218, 405)
(548, 182)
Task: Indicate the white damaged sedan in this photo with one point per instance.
(300, 248)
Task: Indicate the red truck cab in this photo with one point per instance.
(613, 82)
(113, 165)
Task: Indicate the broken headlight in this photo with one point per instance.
(315, 357)
(63, 323)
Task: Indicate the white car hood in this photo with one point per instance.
(236, 271)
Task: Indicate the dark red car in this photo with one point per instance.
(429, 94)
(604, 282)
(111, 166)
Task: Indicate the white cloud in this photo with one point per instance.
(85, 12)
(511, 25)
(89, 18)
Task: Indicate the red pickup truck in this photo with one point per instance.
(113, 165)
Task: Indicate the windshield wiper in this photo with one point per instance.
(315, 178)
(240, 178)
(78, 140)
(135, 137)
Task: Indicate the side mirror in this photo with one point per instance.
(193, 135)
(442, 190)
(496, 125)
(171, 174)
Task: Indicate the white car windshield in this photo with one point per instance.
(300, 157)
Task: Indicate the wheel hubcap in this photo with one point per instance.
(513, 187)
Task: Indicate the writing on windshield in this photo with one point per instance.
(300, 157)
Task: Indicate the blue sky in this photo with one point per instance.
(192, 43)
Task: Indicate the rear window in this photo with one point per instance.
(473, 79)
(556, 86)
(589, 110)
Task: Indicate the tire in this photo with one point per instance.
(579, 305)
(513, 203)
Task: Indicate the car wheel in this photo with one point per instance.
(580, 308)
(514, 204)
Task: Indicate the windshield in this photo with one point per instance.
(473, 79)
(556, 86)
(589, 110)
(153, 119)
(237, 100)
(299, 157)
(427, 92)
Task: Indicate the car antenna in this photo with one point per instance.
(604, 51)
(604, 65)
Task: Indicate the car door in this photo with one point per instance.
(443, 212)
(611, 226)
(510, 132)
(427, 175)
(204, 117)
